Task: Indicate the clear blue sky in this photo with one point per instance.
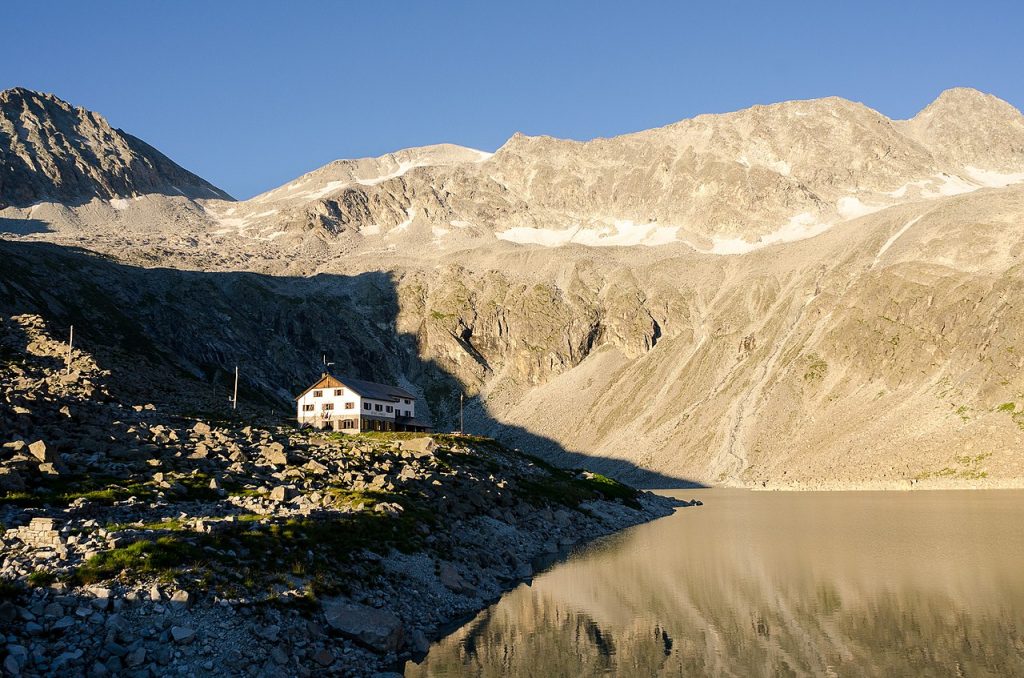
(252, 94)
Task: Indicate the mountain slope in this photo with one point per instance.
(806, 294)
(52, 151)
(722, 184)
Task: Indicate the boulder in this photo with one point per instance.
(274, 454)
(15, 446)
(281, 493)
(377, 629)
(269, 633)
(39, 450)
(323, 657)
(182, 634)
(421, 447)
(453, 581)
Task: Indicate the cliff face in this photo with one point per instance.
(806, 294)
(52, 151)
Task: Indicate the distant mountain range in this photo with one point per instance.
(804, 294)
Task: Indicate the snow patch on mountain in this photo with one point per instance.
(620, 233)
(800, 227)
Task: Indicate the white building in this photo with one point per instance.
(353, 405)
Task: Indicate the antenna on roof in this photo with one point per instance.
(326, 364)
(462, 427)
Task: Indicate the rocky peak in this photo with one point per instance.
(967, 127)
(53, 151)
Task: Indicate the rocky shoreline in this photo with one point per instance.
(137, 542)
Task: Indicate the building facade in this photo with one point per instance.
(354, 406)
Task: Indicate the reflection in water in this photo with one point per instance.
(770, 584)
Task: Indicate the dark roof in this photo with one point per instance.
(366, 389)
(369, 389)
(413, 421)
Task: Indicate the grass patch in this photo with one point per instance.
(254, 556)
(157, 557)
(569, 489)
(611, 488)
(816, 369)
(172, 525)
(41, 578)
(967, 467)
(1011, 409)
(63, 490)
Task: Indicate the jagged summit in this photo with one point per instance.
(53, 151)
(724, 183)
(964, 126)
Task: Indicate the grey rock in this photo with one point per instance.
(269, 633)
(274, 453)
(136, 657)
(63, 623)
(454, 581)
(377, 629)
(182, 634)
(281, 493)
(424, 446)
(323, 657)
(180, 598)
(39, 450)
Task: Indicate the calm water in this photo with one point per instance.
(772, 584)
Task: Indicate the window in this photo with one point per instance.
(350, 406)
(408, 413)
(318, 394)
(389, 409)
(366, 406)
(348, 423)
(328, 406)
(377, 407)
(339, 391)
(307, 408)
(407, 401)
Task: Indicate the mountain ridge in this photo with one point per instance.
(796, 297)
(51, 150)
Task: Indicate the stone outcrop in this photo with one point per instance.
(378, 629)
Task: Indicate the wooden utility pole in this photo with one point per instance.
(71, 339)
(234, 399)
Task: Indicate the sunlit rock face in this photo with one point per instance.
(805, 294)
(51, 151)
